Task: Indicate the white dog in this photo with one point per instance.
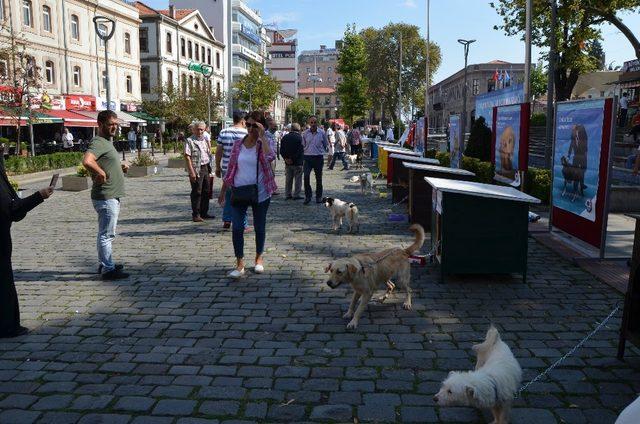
(493, 384)
(365, 180)
(340, 210)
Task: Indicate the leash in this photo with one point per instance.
(401, 201)
(571, 352)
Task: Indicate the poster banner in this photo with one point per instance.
(419, 136)
(485, 103)
(507, 144)
(576, 159)
(455, 141)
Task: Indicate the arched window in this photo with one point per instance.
(129, 84)
(190, 49)
(27, 13)
(169, 43)
(197, 51)
(46, 18)
(75, 27)
(49, 72)
(77, 76)
(182, 48)
(170, 78)
(127, 43)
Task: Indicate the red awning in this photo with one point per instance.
(72, 119)
(11, 121)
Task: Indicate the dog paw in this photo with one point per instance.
(382, 299)
(347, 314)
(407, 306)
(353, 324)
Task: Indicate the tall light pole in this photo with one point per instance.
(466, 44)
(426, 89)
(106, 36)
(314, 77)
(399, 86)
(551, 69)
(527, 52)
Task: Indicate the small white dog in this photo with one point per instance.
(365, 180)
(340, 210)
(493, 384)
(355, 160)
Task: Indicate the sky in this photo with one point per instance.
(324, 21)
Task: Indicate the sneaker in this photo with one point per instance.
(115, 275)
(236, 273)
(119, 267)
(259, 269)
(197, 219)
(307, 201)
(226, 225)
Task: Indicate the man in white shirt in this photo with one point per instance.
(624, 107)
(197, 153)
(67, 139)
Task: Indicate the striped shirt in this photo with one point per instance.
(226, 138)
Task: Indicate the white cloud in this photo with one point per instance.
(409, 3)
(281, 18)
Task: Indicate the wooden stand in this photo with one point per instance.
(398, 175)
(420, 199)
(630, 326)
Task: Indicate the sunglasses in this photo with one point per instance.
(252, 126)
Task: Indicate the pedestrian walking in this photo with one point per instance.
(292, 152)
(102, 161)
(226, 140)
(12, 209)
(252, 182)
(197, 155)
(355, 141)
(624, 107)
(132, 138)
(340, 149)
(314, 141)
(331, 138)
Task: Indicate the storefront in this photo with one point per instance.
(629, 82)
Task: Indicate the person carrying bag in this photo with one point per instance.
(252, 182)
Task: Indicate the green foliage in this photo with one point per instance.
(352, 66)
(145, 159)
(81, 171)
(14, 184)
(256, 89)
(538, 120)
(443, 158)
(537, 183)
(479, 144)
(24, 165)
(538, 80)
(300, 110)
(180, 107)
(484, 170)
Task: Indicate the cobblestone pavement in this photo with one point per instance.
(180, 343)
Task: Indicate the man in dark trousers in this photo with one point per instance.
(315, 143)
(292, 152)
(12, 209)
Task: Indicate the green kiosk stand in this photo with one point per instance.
(400, 175)
(420, 192)
(479, 228)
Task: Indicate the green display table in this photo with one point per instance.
(398, 175)
(420, 192)
(479, 228)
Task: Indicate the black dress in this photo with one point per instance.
(12, 209)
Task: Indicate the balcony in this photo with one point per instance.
(248, 53)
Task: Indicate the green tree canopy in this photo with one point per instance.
(352, 66)
(256, 89)
(538, 80)
(180, 108)
(300, 110)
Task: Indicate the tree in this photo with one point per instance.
(257, 89)
(538, 80)
(352, 66)
(578, 28)
(383, 48)
(300, 110)
(597, 52)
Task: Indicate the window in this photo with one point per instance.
(31, 66)
(170, 77)
(77, 76)
(476, 86)
(102, 30)
(202, 53)
(144, 79)
(190, 50)
(3, 63)
(1, 10)
(218, 89)
(190, 83)
(217, 60)
(182, 52)
(75, 27)
(169, 43)
(46, 18)
(104, 80)
(127, 43)
(27, 13)
(144, 40)
(198, 83)
(197, 52)
(129, 84)
(308, 70)
(49, 72)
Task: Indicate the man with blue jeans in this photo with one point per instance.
(226, 138)
(315, 144)
(102, 161)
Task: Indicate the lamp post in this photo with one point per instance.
(466, 44)
(207, 72)
(106, 36)
(550, 85)
(314, 78)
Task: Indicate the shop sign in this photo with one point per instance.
(631, 66)
(78, 102)
(101, 104)
(128, 107)
(46, 101)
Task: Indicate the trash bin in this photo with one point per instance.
(144, 141)
(374, 149)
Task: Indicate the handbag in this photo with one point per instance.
(246, 195)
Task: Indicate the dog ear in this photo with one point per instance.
(327, 268)
(352, 269)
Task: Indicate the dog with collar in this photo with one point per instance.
(493, 384)
(367, 271)
(340, 210)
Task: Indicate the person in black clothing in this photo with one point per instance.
(292, 152)
(12, 209)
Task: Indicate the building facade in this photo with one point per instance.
(279, 108)
(61, 41)
(445, 97)
(170, 40)
(327, 101)
(282, 62)
(325, 61)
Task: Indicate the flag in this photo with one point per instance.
(507, 78)
(495, 76)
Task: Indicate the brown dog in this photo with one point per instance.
(365, 272)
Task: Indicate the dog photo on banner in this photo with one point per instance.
(507, 146)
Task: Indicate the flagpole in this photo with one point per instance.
(426, 90)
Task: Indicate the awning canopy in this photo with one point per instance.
(72, 119)
(151, 120)
(9, 117)
(130, 118)
(93, 115)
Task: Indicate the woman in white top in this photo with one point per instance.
(331, 137)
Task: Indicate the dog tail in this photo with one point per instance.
(418, 231)
(492, 336)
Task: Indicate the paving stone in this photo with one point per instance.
(531, 416)
(18, 416)
(134, 404)
(105, 419)
(52, 402)
(418, 414)
(335, 412)
(219, 408)
(174, 407)
(286, 412)
(59, 418)
(256, 410)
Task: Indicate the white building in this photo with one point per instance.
(169, 41)
(279, 108)
(282, 62)
(61, 40)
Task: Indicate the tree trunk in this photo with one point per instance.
(613, 20)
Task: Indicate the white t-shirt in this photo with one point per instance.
(624, 103)
(246, 174)
(67, 140)
(331, 136)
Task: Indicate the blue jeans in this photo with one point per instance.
(108, 211)
(227, 213)
(132, 145)
(239, 214)
(342, 157)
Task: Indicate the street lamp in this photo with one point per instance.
(207, 72)
(466, 44)
(103, 21)
(314, 77)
